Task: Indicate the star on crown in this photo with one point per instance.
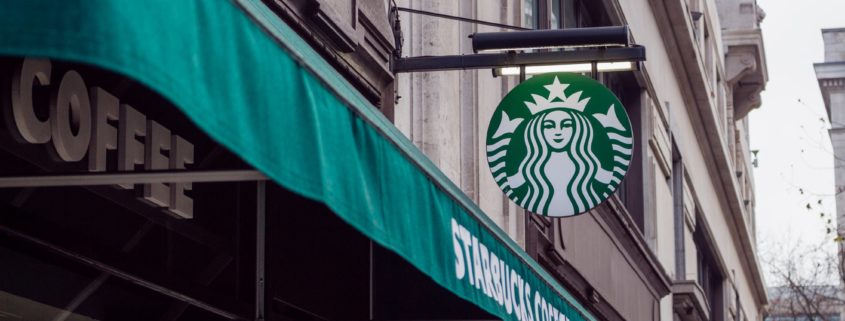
(557, 99)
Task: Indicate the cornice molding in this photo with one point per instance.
(831, 77)
(832, 83)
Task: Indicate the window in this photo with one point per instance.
(710, 277)
(530, 17)
(554, 14)
(564, 14)
(637, 188)
(678, 208)
(111, 253)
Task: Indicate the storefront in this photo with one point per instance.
(198, 160)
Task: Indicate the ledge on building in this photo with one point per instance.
(689, 302)
(745, 67)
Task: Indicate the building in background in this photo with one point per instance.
(370, 176)
(831, 76)
(819, 302)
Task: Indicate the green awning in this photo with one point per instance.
(255, 86)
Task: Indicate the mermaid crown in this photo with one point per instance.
(557, 99)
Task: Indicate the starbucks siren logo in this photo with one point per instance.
(559, 144)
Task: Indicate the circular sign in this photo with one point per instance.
(559, 144)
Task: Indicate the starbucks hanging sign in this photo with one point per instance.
(559, 144)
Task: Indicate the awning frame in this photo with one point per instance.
(213, 80)
(146, 177)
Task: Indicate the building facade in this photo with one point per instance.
(322, 185)
(830, 74)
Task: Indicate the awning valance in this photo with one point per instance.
(255, 86)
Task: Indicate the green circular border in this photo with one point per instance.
(600, 98)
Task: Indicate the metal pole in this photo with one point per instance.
(521, 73)
(260, 244)
(508, 59)
(475, 21)
(92, 179)
(595, 70)
(372, 281)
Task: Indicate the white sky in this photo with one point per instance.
(795, 152)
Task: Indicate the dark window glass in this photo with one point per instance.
(710, 277)
(569, 14)
(530, 14)
(323, 269)
(105, 253)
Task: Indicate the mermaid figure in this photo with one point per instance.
(559, 167)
